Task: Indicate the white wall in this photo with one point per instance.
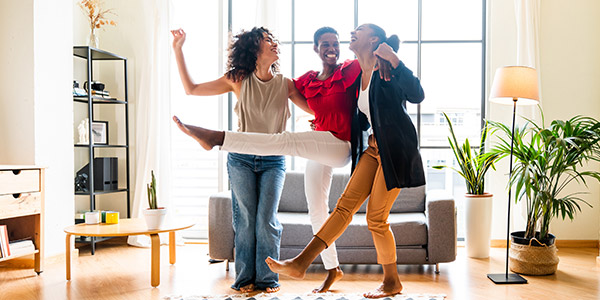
(16, 82)
(569, 73)
(570, 68)
(36, 108)
(52, 80)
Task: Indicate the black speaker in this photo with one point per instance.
(106, 175)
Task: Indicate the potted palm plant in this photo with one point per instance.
(473, 164)
(547, 160)
(154, 215)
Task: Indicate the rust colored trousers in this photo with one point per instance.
(366, 180)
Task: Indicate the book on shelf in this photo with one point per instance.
(100, 93)
(21, 247)
(4, 246)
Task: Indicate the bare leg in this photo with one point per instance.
(333, 275)
(206, 137)
(296, 267)
(391, 283)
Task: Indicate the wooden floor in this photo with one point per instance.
(123, 272)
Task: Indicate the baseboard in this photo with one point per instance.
(559, 243)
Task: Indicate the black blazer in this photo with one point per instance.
(393, 129)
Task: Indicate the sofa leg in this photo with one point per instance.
(437, 268)
(227, 265)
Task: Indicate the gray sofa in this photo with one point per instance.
(424, 225)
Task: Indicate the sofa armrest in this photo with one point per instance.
(220, 226)
(440, 211)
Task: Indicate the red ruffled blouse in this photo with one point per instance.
(332, 99)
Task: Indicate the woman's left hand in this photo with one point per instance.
(385, 52)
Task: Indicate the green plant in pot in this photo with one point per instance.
(546, 161)
(473, 165)
(154, 215)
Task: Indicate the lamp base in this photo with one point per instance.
(504, 278)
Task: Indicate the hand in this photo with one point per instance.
(386, 53)
(178, 38)
(385, 69)
(312, 124)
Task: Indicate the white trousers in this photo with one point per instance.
(317, 183)
(320, 146)
(324, 152)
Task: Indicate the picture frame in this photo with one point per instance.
(100, 132)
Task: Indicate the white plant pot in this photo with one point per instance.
(155, 217)
(478, 223)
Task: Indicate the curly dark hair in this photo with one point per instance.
(243, 53)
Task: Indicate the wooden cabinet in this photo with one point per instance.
(22, 208)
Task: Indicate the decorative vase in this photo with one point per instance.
(93, 38)
(155, 217)
(478, 223)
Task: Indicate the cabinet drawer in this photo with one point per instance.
(24, 204)
(25, 181)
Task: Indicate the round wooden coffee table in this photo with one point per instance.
(127, 227)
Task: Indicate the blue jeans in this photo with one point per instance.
(256, 185)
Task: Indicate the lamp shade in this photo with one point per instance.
(515, 82)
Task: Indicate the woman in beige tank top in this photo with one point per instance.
(256, 181)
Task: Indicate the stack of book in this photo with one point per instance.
(105, 94)
(18, 248)
(14, 248)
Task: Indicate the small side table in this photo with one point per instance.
(127, 227)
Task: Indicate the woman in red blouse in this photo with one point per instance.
(332, 97)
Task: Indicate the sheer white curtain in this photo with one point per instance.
(153, 113)
(527, 14)
(528, 41)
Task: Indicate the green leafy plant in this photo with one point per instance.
(473, 164)
(152, 204)
(547, 160)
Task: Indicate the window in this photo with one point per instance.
(196, 173)
(443, 43)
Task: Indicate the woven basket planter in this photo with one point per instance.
(533, 260)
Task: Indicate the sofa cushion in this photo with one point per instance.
(293, 198)
(410, 229)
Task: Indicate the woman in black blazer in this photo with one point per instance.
(385, 157)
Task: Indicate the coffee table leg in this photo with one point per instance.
(172, 247)
(155, 273)
(68, 254)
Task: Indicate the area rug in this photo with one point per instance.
(325, 296)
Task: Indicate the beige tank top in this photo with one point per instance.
(263, 105)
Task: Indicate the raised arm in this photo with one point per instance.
(402, 77)
(211, 88)
(297, 97)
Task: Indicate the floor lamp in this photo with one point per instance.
(513, 85)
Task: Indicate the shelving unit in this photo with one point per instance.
(90, 55)
(22, 208)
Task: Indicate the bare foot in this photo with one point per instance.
(272, 289)
(206, 137)
(286, 267)
(333, 275)
(385, 290)
(247, 288)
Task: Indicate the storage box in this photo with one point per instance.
(112, 217)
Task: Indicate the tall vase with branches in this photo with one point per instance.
(97, 17)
